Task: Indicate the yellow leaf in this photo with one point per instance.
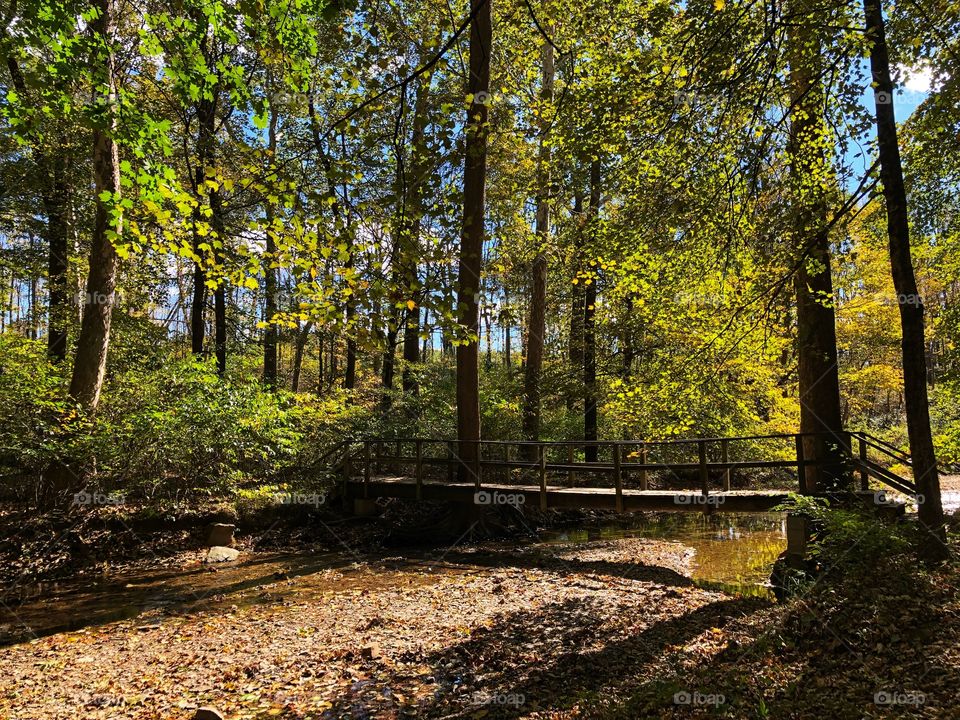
(411, 304)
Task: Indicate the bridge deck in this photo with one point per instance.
(567, 497)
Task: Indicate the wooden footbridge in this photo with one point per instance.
(734, 474)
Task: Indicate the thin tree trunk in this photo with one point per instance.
(471, 244)
(303, 335)
(576, 306)
(925, 472)
(818, 376)
(269, 269)
(589, 328)
(536, 325)
(56, 204)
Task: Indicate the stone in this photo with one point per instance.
(221, 554)
(220, 534)
(207, 713)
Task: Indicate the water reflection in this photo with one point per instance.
(734, 552)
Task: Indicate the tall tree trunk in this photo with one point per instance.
(471, 243)
(575, 351)
(56, 193)
(389, 361)
(507, 321)
(56, 202)
(818, 377)
(538, 286)
(925, 472)
(269, 268)
(303, 335)
(90, 364)
(589, 327)
(411, 351)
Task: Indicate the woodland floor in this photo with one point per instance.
(612, 629)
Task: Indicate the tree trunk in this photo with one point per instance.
(56, 192)
(538, 286)
(270, 270)
(577, 305)
(90, 364)
(56, 201)
(303, 335)
(589, 328)
(925, 472)
(411, 351)
(818, 378)
(471, 244)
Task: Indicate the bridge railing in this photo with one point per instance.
(713, 463)
(716, 463)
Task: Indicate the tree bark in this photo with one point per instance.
(270, 270)
(818, 376)
(575, 351)
(90, 364)
(56, 202)
(925, 472)
(303, 335)
(471, 244)
(589, 329)
(538, 286)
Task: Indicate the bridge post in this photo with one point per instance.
(801, 465)
(617, 476)
(643, 470)
(366, 468)
(725, 458)
(477, 467)
(571, 475)
(542, 460)
(864, 473)
(450, 461)
(704, 472)
(419, 452)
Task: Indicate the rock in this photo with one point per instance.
(221, 554)
(207, 713)
(221, 534)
